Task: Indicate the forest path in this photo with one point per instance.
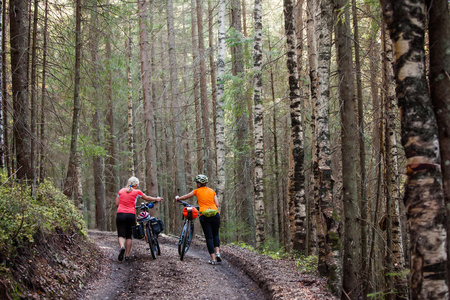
(166, 277)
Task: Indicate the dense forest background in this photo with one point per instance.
(321, 124)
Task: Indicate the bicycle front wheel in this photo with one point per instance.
(186, 239)
(151, 242)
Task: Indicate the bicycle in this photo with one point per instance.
(149, 224)
(190, 212)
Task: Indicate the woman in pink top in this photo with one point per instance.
(126, 214)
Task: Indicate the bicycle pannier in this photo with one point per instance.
(138, 231)
(190, 213)
(157, 225)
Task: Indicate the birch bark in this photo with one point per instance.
(424, 198)
(258, 128)
(297, 199)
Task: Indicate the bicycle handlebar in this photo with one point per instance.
(147, 205)
(185, 204)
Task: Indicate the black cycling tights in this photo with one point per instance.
(124, 223)
(211, 227)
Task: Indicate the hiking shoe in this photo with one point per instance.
(218, 258)
(127, 258)
(121, 253)
(212, 262)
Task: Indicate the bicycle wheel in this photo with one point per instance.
(151, 242)
(180, 242)
(158, 250)
(186, 239)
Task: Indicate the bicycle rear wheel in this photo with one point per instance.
(158, 250)
(151, 242)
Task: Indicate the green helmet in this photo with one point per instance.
(201, 179)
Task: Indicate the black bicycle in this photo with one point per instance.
(150, 227)
(190, 212)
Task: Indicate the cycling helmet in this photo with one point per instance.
(143, 216)
(201, 178)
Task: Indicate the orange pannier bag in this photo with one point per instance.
(190, 212)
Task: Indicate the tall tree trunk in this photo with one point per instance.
(71, 184)
(34, 90)
(21, 116)
(111, 173)
(244, 203)
(297, 199)
(43, 96)
(195, 67)
(278, 207)
(327, 225)
(150, 143)
(395, 261)
(259, 128)
(175, 103)
(349, 133)
(312, 212)
(100, 205)
(362, 150)
(204, 94)
(130, 142)
(2, 86)
(4, 103)
(439, 35)
(424, 198)
(213, 83)
(220, 127)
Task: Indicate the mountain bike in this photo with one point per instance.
(150, 226)
(190, 212)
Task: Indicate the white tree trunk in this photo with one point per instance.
(258, 128)
(220, 127)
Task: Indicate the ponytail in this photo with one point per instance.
(130, 188)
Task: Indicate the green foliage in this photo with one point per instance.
(307, 264)
(23, 217)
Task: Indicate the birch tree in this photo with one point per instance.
(423, 196)
(439, 32)
(297, 198)
(258, 127)
(327, 226)
(220, 127)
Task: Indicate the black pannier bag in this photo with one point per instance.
(138, 231)
(157, 225)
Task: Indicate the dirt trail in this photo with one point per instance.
(166, 277)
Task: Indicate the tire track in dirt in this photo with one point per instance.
(166, 277)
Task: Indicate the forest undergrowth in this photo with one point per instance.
(44, 249)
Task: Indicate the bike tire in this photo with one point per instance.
(151, 242)
(180, 242)
(158, 249)
(185, 243)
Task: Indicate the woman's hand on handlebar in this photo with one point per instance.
(177, 198)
